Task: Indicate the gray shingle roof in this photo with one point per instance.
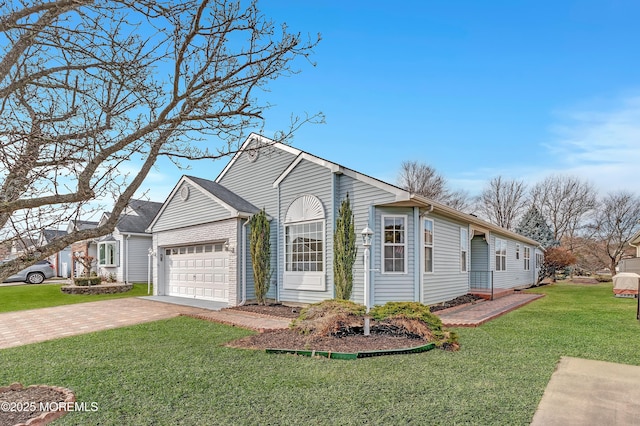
(225, 195)
(145, 210)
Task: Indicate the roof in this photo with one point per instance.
(403, 197)
(224, 195)
(142, 215)
(84, 224)
(51, 234)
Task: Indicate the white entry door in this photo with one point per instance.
(199, 272)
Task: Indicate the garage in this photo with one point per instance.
(198, 271)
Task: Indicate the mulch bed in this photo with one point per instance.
(352, 343)
(20, 404)
(287, 339)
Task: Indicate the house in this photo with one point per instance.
(61, 260)
(123, 255)
(632, 264)
(81, 248)
(421, 250)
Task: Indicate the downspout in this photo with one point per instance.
(126, 259)
(244, 263)
(333, 210)
(278, 250)
(417, 267)
(372, 276)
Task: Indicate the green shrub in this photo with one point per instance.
(602, 278)
(329, 317)
(260, 248)
(85, 281)
(411, 311)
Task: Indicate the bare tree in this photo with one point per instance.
(90, 89)
(502, 201)
(564, 201)
(422, 179)
(615, 222)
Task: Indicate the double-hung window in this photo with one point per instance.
(107, 253)
(464, 248)
(394, 244)
(428, 245)
(501, 254)
(527, 258)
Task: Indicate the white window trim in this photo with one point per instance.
(432, 245)
(464, 268)
(406, 244)
(527, 258)
(501, 255)
(517, 251)
(115, 254)
(305, 209)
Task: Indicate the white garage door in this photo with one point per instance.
(200, 272)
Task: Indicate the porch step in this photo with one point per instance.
(486, 293)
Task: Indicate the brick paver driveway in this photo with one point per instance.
(37, 325)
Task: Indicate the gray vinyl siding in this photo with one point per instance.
(137, 257)
(515, 276)
(447, 280)
(308, 178)
(197, 209)
(391, 287)
(254, 181)
(362, 197)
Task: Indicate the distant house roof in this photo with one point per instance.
(80, 225)
(224, 195)
(49, 235)
(141, 216)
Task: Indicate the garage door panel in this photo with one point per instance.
(199, 273)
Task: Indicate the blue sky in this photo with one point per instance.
(474, 88)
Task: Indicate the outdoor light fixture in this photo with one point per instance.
(367, 235)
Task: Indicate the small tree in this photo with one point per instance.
(260, 248)
(344, 251)
(556, 258)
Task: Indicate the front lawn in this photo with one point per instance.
(176, 371)
(33, 296)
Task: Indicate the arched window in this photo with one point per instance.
(305, 244)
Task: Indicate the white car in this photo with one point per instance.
(34, 274)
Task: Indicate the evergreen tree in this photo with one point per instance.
(534, 226)
(260, 248)
(344, 251)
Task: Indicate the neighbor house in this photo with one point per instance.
(421, 250)
(123, 255)
(61, 260)
(632, 264)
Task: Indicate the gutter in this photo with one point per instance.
(243, 277)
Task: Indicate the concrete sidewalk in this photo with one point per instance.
(586, 392)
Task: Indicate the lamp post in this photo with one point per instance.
(367, 235)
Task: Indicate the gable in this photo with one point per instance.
(188, 205)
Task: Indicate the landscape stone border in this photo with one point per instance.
(46, 417)
(96, 289)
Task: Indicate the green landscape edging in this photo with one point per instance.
(343, 355)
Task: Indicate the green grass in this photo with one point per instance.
(176, 371)
(33, 296)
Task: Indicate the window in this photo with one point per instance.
(107, 253)
(428, 245)
(527, 258)
(517, 251)
(464, 248)
(501, 255)
(394, 244)
(304, 247)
